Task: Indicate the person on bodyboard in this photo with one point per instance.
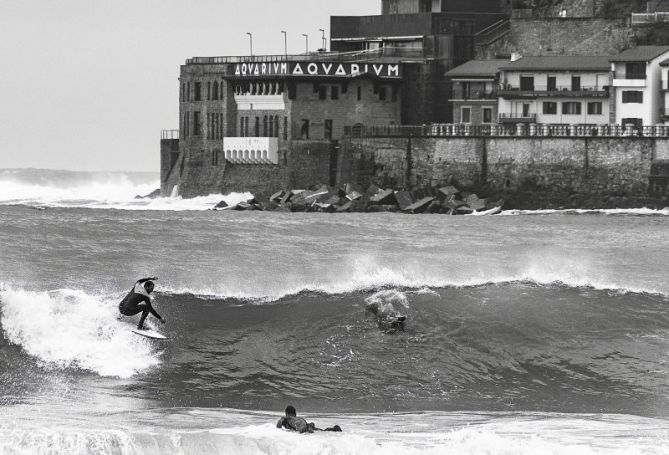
(139, 300)
(294, 423)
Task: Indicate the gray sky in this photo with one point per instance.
(89, 84)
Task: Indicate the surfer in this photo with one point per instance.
(294, 423)
(387, 321)
(138, 300)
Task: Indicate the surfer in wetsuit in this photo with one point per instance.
(138, 300)
(294, 423)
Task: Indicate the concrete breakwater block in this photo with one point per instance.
(384, 197)
(420, 206)
(404, 199)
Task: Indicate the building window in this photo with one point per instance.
(271, 126)
(635, 70)
(322, 93)
(344, 88)
(334, 92)
(257, 128)
(197, 124)
(552, 84)
(487, 115)
(549, 108)
(359, 93)
(285, 128)
(595, 108)
(327, 134)
(215, 90)
(209, 90)
(527, 83)
(466, 90)
(304, 130)
(183, 91)
(188, 94)
(382, 93)
(264, 126)
(632, 96)
(292, 91)
(466, 114)
(575, 83)
(571, 108)
(276, 126)
(198, 91)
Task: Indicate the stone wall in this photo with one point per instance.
(562, 36)
(302, 164)
(542, 167)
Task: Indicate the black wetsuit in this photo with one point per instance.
(135, 303)
(301, 426)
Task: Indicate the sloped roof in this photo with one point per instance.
(477, 68)
(559, 63)
(640, 54)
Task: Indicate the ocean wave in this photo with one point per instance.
(630, 212)
(42, 189)
(70, 329)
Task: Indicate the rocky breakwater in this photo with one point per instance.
(447, 200)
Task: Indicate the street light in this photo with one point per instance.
(250, 41)
(325, 44)
(307, 38)
(285, 43)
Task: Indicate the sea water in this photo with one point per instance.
(526, 333)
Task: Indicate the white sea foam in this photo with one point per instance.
(365, 273)
(638, 211)
(44, 189)
(70, 329)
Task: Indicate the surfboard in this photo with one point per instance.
(150, 334)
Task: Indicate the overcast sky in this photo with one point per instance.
(89, 84)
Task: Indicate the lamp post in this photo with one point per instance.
(285, 43)
(250, 41)
(307, 41)
(325, 44)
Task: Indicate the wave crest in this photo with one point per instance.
(70, 329)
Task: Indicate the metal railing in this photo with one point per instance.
(361, 55)
(519, 117)
(559, 88)
(624, 75)
(492, 33)
(649, 18)
(474, 95)
(169, 134)
(504, 130)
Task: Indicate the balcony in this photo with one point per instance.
(475, 95)
(555, 91)
(517, 118)
(649, 18)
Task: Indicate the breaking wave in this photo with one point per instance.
(97, 190)
(70, 329)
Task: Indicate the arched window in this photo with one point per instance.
(246, 154)
(264, 154)
(215, 96)
(271, 126)
(276, 126)
(264, 126)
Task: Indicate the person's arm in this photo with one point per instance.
(151, 310)
(279, 424)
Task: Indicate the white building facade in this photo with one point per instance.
(560, 90)
(637, 97)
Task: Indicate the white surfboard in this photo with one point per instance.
(150, 334)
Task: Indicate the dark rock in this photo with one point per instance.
(152, 195)
(345, 207)
(221, 205)
(321, 207)
(446, 192)
(372, 190)
(278, 196)
(404, 199)
(420, 206)
(434, 207)
(382, 208)
(384, 197)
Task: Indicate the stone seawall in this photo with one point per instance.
(527, 172)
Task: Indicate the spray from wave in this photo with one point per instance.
(42, 188)
(70, 329)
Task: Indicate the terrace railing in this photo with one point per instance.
(169, 134)
(649, 18)
(502, 130)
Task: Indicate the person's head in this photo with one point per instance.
(149, 286)
(290, 412)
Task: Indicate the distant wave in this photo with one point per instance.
(40, 189)
(638, 212)
(70, 329)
